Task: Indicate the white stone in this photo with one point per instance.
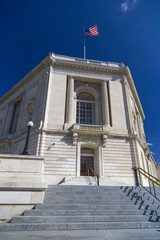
(49, 95)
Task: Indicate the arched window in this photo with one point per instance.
(85, 109)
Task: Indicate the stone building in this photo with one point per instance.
(86, 114)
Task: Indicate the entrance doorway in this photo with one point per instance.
(87, 162)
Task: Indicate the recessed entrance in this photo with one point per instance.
(87, 161)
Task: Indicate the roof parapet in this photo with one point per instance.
(86, 61)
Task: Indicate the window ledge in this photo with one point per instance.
(87, 127)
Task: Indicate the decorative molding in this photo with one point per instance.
(30, 106)
(75, 138)
(104, 139)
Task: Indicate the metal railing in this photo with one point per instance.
(153, 182)
(94, 174)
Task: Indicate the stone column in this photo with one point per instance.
(78, 158)
(105, 104)
(101, 170)
(70, 100)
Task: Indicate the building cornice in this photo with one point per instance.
(85, 64)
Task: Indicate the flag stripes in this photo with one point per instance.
(92, 31)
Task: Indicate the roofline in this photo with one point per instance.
(133, 89)
(61, 60)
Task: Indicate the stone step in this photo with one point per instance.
(121, 202)
(77, 226)
(68, 219)
(141, 194)
(80, 193)
(81, 189)
(87, 206)
(81, 184)
(84, 197)
(137, 189)
(90, 212)
(98, 197)
(143, 197)
(88, 188)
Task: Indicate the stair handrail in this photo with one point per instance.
(151, 179)
(143, 172)
(150, 175)
(95, 174)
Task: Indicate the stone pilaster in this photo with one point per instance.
(105, 104)
(70, 101)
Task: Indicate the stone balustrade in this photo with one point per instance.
(87, 127)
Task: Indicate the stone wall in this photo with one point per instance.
(118, 158)
(21, 183)
(117, 105)
(60, 157)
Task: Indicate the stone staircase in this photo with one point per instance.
(89, 208)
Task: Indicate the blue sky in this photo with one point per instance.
(129, 33)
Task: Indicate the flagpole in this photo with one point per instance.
(84, 45)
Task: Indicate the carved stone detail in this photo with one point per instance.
(75, 138)
(104, 138)
(30, 106)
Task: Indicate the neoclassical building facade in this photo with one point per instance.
(86, 114)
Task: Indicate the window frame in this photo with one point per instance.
(85, 109)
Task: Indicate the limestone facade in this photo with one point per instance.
(84, 112)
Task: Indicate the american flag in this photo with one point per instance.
(92, 31)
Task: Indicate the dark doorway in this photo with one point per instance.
(86, 164)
